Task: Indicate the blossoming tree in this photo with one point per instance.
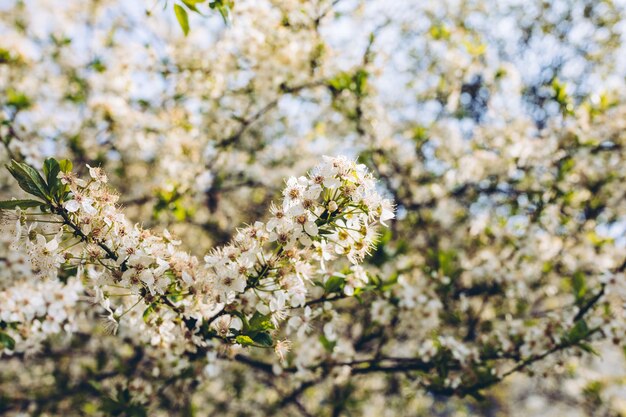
(181, 235)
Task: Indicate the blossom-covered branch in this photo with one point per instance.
(242, 291)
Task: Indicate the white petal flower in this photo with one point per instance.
(386, 211)
(311, 228)
(72, 206)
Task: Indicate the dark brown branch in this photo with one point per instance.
(79, 233)
(261, 366)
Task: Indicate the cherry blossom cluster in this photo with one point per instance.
(239, 294)
(31, 312)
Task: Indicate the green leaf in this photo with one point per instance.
(328, 345)
(578, 332)
(562, 97)
(439, 32)
(149, 310)
(66, 165)
(5, 56)
(222, 6)
(28, 179)
(17, 99)
(263, 339)
(244, 340)
(579, 285)
(7, 341)
(13, 204)
(49, 165)
(261, 322)
(183, 19)
(589, 349)
(448, 263)
(51, 169)
(334, 284)
(191, 5)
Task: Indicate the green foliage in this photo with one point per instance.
(78, 89)
(334, 284)
(5, 56)
(447, 263)
(419, 134)
(97, 65)
(355, 82)
(258, 339)
(191, 5)
(183, 19)
(328, 345)
(439, 32)
(382, 284)
(223, 7)
(6, 341)
(560, 95)
(263, 339)
(170, 201)
(17, 99)
(148, 311)
(66, 165)
(474, 47)
(13, 204)
(593, 392)
(588, 348)
(30, 180)
(579, 286)
(578, 332)
(261, 322)
(255, 332)
(182, 16)
(51, 170)
(244, 340)
(601, 105)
